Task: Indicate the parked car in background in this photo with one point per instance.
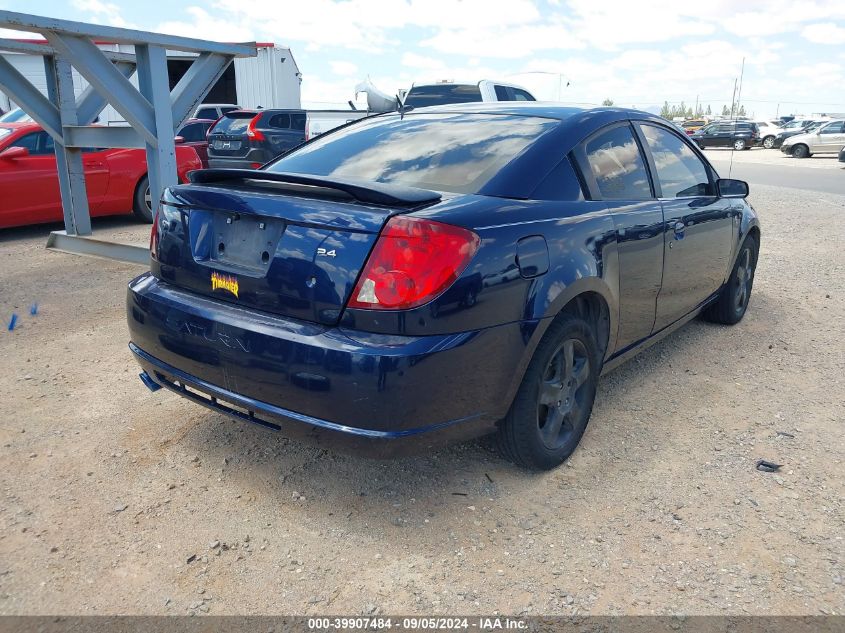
(355, 288)
(736, 134)
(115, 179)
(249, 138)
(214, 111)
(194, 134)
(15, 115)
(693, 125)
(793, 128)
(826, 139)
(768, 131)
(447, 92)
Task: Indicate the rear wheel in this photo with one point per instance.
(769, 142)
(552, 407)
(739, 144)
(733, 299)
(142, 203)
(800, 151)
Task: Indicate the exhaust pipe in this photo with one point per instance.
(151, 384)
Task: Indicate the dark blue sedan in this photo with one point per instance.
(440, 274)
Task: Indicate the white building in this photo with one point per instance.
(270, 80)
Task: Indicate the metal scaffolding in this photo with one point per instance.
(153, 111)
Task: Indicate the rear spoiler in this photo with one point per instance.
(364, 191)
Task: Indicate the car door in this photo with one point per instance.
(709, 135)
(698, 230)
(829, 138)
(615, 172)
(194, 135)
(29, 184)
(281, 135)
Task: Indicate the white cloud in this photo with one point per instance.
(824, 33)
(343, 68)
(414, 60)
(220, 29)
(102, 12)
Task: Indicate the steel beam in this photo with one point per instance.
(86, 245)
(195, 84)
(69, 166)
(154, 85)
(91, 103)
(30, 99)
(102, 136)
(39, 24)
(90, 62)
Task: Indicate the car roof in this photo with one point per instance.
(18, 125)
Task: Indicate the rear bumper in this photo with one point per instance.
(255, 155)
(379, 394)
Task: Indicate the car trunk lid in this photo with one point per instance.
(287, 244)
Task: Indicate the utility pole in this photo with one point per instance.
(739, 95)
(733, 99)
(695, 112)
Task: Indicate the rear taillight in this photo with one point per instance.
(251, 132)
(154, 237)
(413, 261)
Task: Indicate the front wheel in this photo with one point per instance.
(769, 142)
(733, 299)
(554, 401)
(142, 203)
(739, 144)
(800, 151)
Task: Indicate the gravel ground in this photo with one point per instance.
(119, 501)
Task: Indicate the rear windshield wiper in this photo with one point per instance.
(370, 192)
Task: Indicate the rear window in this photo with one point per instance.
(459, 153)
(233, 123)
(441, 94)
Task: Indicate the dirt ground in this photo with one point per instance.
(120, 501)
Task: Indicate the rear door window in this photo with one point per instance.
(502, 93)
(280, 121)
(297, 121)
(680, 171)
(617, 165)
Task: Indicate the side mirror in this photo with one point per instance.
(730, 188)
(14, 153)
(178, 139)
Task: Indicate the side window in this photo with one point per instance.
(297, 121)
(280, 121)
(522, 95)
(30, 142)
(206, 113)
(680, 171)
(502, 93)
(832, 128)
(617, 165)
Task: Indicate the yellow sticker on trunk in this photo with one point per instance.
(229, 283)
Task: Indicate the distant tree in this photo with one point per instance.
(709, 111)
(666, 111)
(607, 102)
(726, 111)
(740, 111)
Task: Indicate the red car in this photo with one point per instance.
(115, 179)
(194, 134)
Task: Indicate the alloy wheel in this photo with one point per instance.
(769, 142)
(744, 277)
(739, 144)
(148, 199)
(561, 393)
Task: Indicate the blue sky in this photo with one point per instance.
(639, 54)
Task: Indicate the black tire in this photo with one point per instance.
(739, 144)
(769, 142)
(800, 151)
(141, 206)
(553, 404)
(735, 295)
